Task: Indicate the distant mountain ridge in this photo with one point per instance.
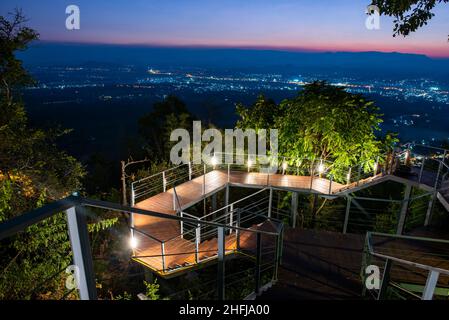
(45, 53)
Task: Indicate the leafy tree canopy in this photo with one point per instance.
(410, 15)
(155, 127)
(33, 171)
(322, 122)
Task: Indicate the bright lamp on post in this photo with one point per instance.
(133, 242)
(321, 168)
(214, 161)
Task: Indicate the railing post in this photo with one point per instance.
(190, 170)
(174, 199)
(82, 255)
(258, 262)
(231, 218)
(348, 209)
(385, 280)
(204, 180)
(294, 208)
(237, 231)
(431, 283)
(197, 243)
(404, 209)
(421, 170)
(229, 172)
(133, 195)
(270, 202)
(330, 184)
(440, 167)
(131, 215)
(221, 264)
(163, 255)
(181, 214)
(164, 181)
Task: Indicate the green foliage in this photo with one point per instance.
(125, 296)
(152, 290)
(155, 127)
(410, 15)
(322, 122)
(33, 172)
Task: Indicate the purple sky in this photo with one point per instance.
(337, 25)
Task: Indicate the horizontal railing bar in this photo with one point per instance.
(19, 223)
(238, 201)
(121, 208)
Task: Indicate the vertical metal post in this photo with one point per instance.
(404, 209)
(181, 214)
(231, 217)
(190, 170)
(430, 209)
(221, 264)
(163, 255)
(431, 283)
(440, 167)
(174, 200)
(82, 255)
(227, 195)
(348, 209)
(385, 280)
(197, 243)
(131, 215)
(330, 184)
(270, 202)
(422, 169)
(133, 195)
(294, 208)
(204, 180)
(258, 262)
(229, 172)
(164, 182)
(237, 231)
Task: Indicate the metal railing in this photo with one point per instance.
(194, 234)
(75, 208)
(338, 178)
(393, 255)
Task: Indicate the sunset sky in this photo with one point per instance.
(337, 25)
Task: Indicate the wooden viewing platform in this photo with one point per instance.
(159, 237)
(180, 252)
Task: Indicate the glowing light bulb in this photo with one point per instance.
(133, 242)
(321, 168)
